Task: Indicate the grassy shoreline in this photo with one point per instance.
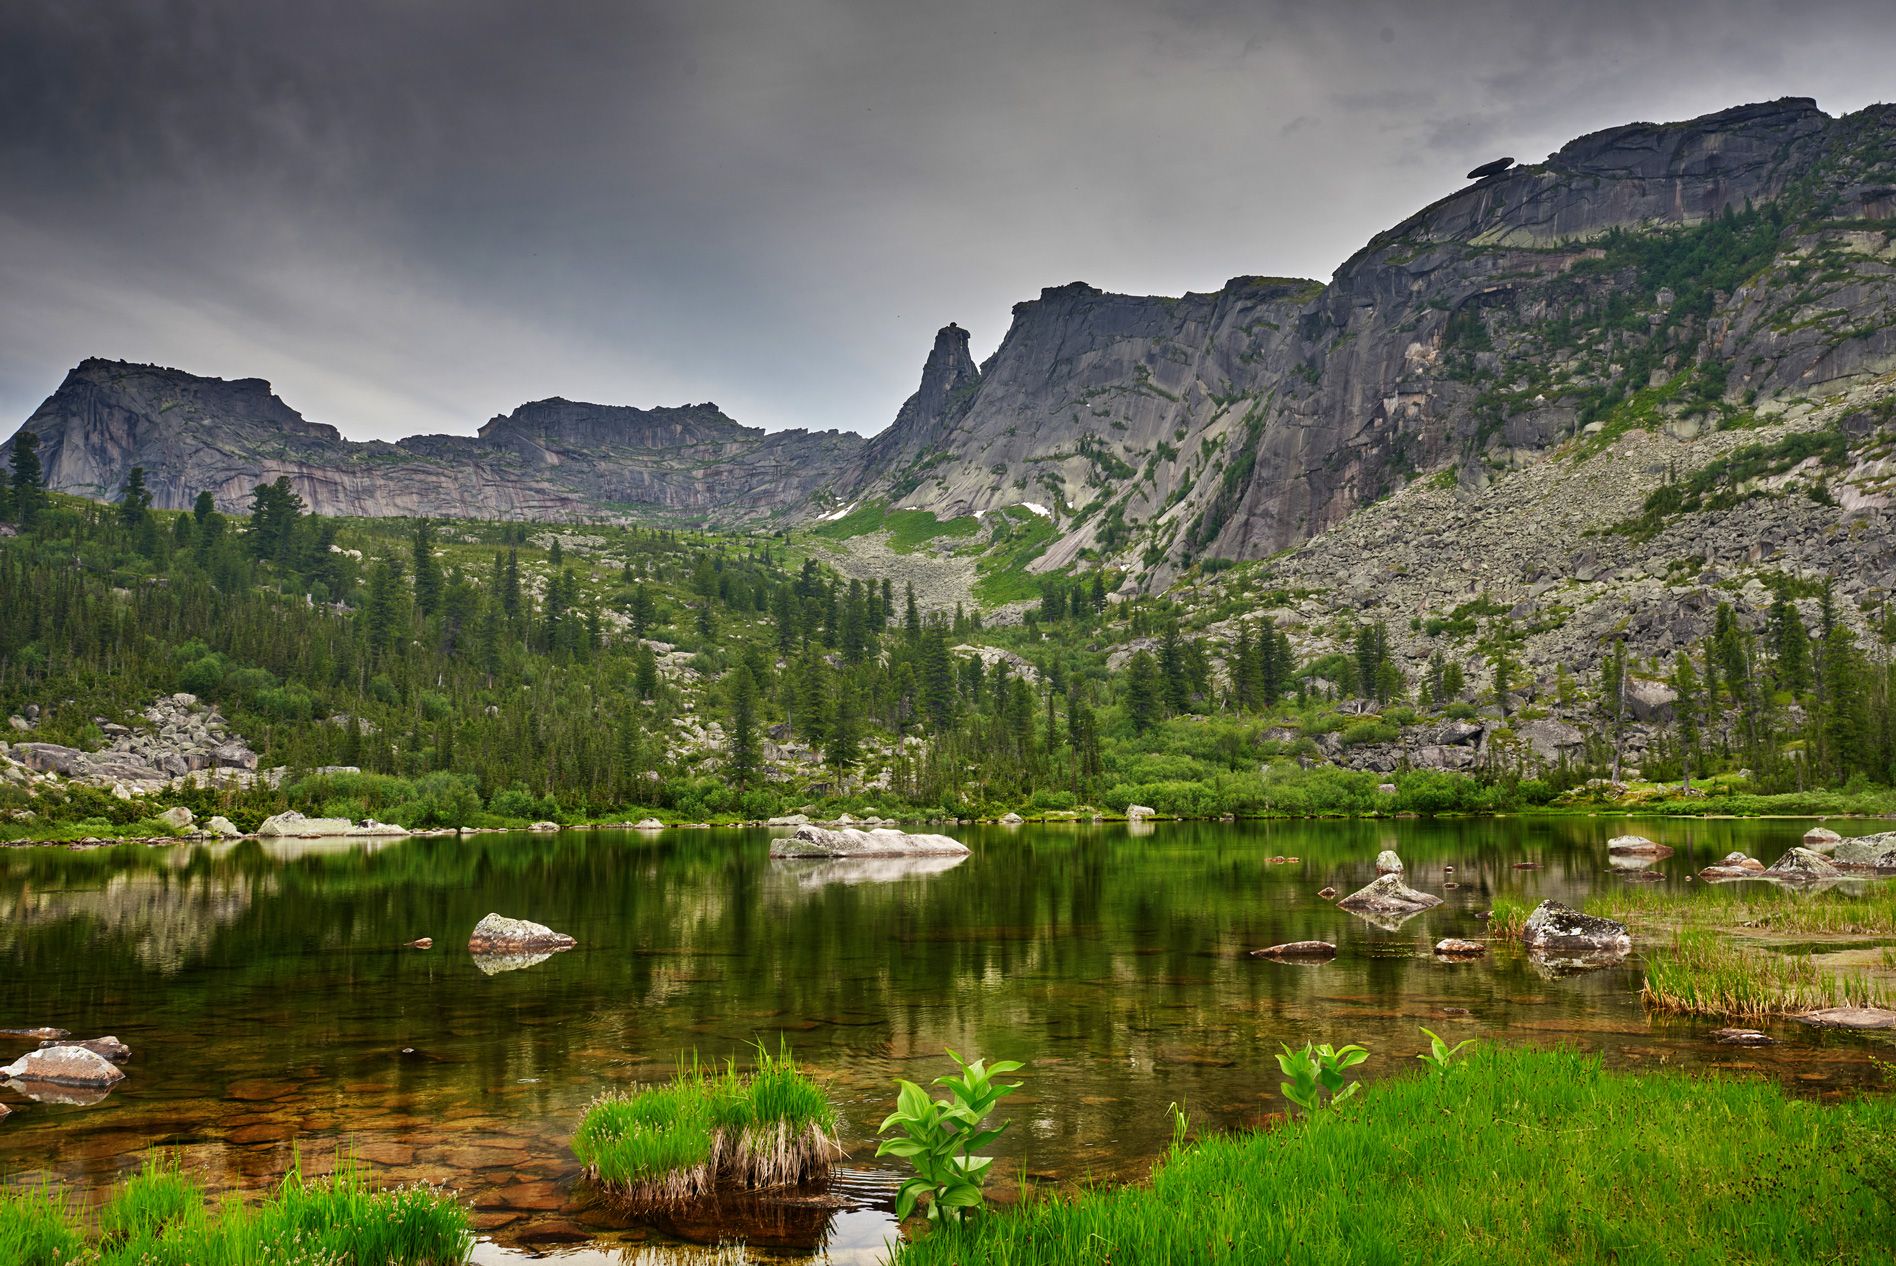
(1514, 1156)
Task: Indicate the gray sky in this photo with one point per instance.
(410, 215)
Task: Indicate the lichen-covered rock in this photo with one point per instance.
(791, 819)
(1559, 928)
(1800, 866)
(498, 934)
(1388, 895)
(1297, 949)
(1387, 863)
(64, 1065)
(817, 841)
(544, 826)
(1866, 853)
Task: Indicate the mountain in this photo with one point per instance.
(1698, 278)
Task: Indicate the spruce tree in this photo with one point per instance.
(743, 763)
(29, 485)
(427, 570)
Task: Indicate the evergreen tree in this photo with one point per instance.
(844, 736)
(1144, 691)
(1687, 712)
(427, 570)
(135, 501)
(29, 485)
(743, 765)
(645, 673)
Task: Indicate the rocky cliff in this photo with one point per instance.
(1697, 278)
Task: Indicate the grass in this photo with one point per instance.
(1756, 907)
(1701, 973)
(162, 1217)
(710, 1128)
(1508, 917)
(1001, 573)
(1513, 1156)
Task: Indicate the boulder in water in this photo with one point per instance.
(1866, 853)
(1297, 949)
(1135, 812)
(498, 934)
(1011, 819)
(1821, 839)
(293, 825)
(223, 827)
(1454, 947)
(1851, 1018)
(1733, 866)
(1559, 928)
(818, 841)
(1801, 867)
(104, 1047)
(64, 1065)
(1386, 895)
(1637, 846)
(1387, 863)
(648, 824)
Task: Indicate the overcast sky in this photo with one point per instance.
(410, 215)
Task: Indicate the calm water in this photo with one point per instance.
(270, 1001)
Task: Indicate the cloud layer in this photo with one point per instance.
(411, 216)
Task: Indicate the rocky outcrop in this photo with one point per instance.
(293, 825)
(65, 1065)
(180, 738)
(498, 934)
(823, 842)
(1559, 929)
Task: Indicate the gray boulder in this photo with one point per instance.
(1851, 1018)
(293, 825)
(64, 1065)
(1637, 846)
(1650, 701)
(1388, 895)
(1559, 928)
(1011, 819)
(1800, 866)
(648, 824)
(220, 825)
(178, 818)
(817, 841)
(1135, 812)
(1866, 852)
(1821, 839)
(498, 934)
(1454, 947)
(1387, 863)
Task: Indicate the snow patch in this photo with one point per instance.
(1038, 509)
(834, 515)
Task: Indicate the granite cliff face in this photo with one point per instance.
(1695, 277)
(549, 460)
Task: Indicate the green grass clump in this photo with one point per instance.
(1508, 917)
(1756, 907)
(1511, 1156)
(1701, 973)
(161, 1217)
(710, 1128)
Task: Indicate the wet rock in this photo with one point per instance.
(1297, 949)
(498, 934)
(1134, 812)
(1742, 1037)
(1636, 846)
(1451, 947)
(1011, 819)
(1387, 863)
(1801, 867)
(1558, 928)
(817, 841)
(104, 1047)
(5, 1112)
(64, 1065)
(1326, 893)
(1821, 839)
(1733, 866)
(178, 818)
(1388, 895)
(422, 942)
(1851, 1018)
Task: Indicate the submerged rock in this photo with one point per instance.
(1388, 895)
(1297, 949)
(1453, 947)
(1801, 866)
(817, 841)
(1558, 928)
(1387, 863)
(1742, 1037)
(498, 934)
(1326, 893)
(39, 1034)
(1851, 1018)
(105, 1047)
(64, 1065)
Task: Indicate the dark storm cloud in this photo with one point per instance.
(412, 214)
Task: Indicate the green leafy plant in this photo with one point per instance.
(1440, 1054)
(1316, 1074)
(941, 1138)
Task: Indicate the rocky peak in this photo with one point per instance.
(948, 370)
(562, 423)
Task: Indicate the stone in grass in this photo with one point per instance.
(1454, 947)
(498, 934)
(64, 1065)
(1306, 950)
(1851, 1018)
(1388, 895)
(1559, 928)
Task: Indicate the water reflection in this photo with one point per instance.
(273, 1004)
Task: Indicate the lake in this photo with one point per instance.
(273, 1006)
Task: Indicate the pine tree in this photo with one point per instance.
(29, 485)
(1144, 691)
(427, 570)
(841, 748)
(645, 673)
(135, 501)
(743, 758)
